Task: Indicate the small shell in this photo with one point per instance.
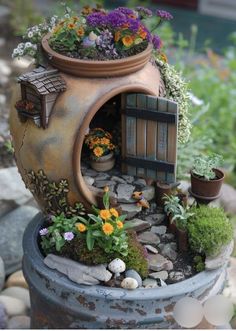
(129, 283)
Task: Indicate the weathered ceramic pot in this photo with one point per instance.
(103, 163)
(58, 303)
(56, 147)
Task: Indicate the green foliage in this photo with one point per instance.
(203, 165)
(199, 264)
(9, 147)
(209, 229)
(105, 229)
(135, 259)
(179, 214)
(54, 239)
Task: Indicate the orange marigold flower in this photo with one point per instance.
(98, 151)
(106, 189)
(119, 224)
(143, 34)
(128, 41)
(117, 36)
(114, 212)
(80, 32)
(107, 228)
(81, 227)
(105, 214)
(105, 141)
(71, 26)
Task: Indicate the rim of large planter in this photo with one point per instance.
(32, 252)
(94, 68)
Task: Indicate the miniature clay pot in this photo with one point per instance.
(207, 189)
(59, 303)
(103, 163)
(92, 68)
(161, 190)
(182, 240)
(172, 226)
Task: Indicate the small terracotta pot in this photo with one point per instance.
(161, 190)
(182, 240)
(92, 68)
(201, 188)
(172, 226)
(103, 163)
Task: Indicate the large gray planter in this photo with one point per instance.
(58, 303)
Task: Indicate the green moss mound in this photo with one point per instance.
(209, 229)
(77, 250)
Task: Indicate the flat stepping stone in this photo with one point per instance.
(169, 251)
(150, 283)
(159, 275)
(118, 180)
(221, 259)
(149, 238)
(155, 219)
(151, 249)
(131, 210)
(149, 193)
(176, 276)
(103, 183)
(139, 225)
(102, 176)
(157, 262)
(159, 229)
(128, 179)
(124, 193)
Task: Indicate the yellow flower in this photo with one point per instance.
(81, 227)
(128, 41)
(107, 228)
(105, 214)
(106, 189)
(119, 224)
(71, 26)
(80, 32)
(98, 151)
(105, 141)
(114, 212)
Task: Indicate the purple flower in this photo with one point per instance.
(164, 15)
(68, 236)
(116, 19)
(134, 24)
(143, 12)
(156, 41)
(97, 19)
(126, 11)
(43, 232)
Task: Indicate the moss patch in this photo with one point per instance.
(136, 259)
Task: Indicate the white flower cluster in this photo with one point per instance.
(176, 90)
(33, 38)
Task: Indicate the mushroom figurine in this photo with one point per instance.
(117, 266)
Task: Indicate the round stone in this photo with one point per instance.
(19, 323)
(3, 317)
(135, 275)
(17, 279)
(129, 283)
(18, 293)
(13, 306)
(150, 283)
(88, 180)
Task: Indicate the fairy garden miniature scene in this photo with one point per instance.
(97, 126)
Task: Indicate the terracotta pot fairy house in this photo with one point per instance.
(147, 125)
(40, 88)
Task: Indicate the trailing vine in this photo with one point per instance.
(53, 194)
(176, 90)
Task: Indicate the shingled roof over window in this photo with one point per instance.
(44, 80)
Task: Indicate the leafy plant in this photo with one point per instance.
(199, 264)
(204, 165)
(209, 229)
(104, 228)
(9, 147)
(171, 204)
(54, 237)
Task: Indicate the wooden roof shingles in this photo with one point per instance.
(44, 80)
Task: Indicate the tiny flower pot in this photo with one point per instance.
(161, 190)
(172, 226)
(182, 240)
(103, 163)
(207, 189)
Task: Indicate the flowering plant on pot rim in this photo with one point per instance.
(97, 34)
